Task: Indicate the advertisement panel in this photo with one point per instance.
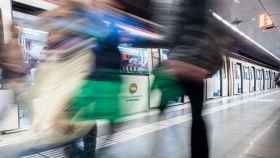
(134, 97)
(134, 60)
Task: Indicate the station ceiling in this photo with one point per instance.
(248, 12)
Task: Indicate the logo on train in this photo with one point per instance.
(133, 88)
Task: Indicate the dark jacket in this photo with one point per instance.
(192, 32)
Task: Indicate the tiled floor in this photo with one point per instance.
(239, 127)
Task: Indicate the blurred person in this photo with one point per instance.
(196, 54)
(58, 76)
(103, 85)
(13, 68)
(60, 40)
(98, 96)
(12, 60)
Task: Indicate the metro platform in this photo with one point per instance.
(244, 126)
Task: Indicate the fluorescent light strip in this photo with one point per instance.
(218, 17)
(38, 3)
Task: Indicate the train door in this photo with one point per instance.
(214, 86)
(273, 80)
(246, 81)
(237, 79)
(252, 79)
(270, 79)
(262, 79)
(267, 80)
(257, 80)
(217, 84)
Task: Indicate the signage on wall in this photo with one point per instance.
(134, 60)
(265, 21)
(135, 95)
(133, 88)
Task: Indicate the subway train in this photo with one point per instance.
(240, 75)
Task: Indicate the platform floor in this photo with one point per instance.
(245, 126)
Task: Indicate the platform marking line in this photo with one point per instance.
(260, 134)
(266, 100)
(185, 106)
(239, 96)
(55, 153)
(129, 134)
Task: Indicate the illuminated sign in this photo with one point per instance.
(265, 21)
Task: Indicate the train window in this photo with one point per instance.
(224, 69)
(267, 75)
(258, 75)
(244, 73)
(250, 74)
(237, 71)
(224, 73)
(163, 54)
(247, 73)
(155, 57)
(134, 60)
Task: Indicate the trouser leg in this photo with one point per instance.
(199, 141)
(90, 143)
(73, 151)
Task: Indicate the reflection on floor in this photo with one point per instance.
(239, 127)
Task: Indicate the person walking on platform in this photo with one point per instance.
(195, 55)
(98, 95)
